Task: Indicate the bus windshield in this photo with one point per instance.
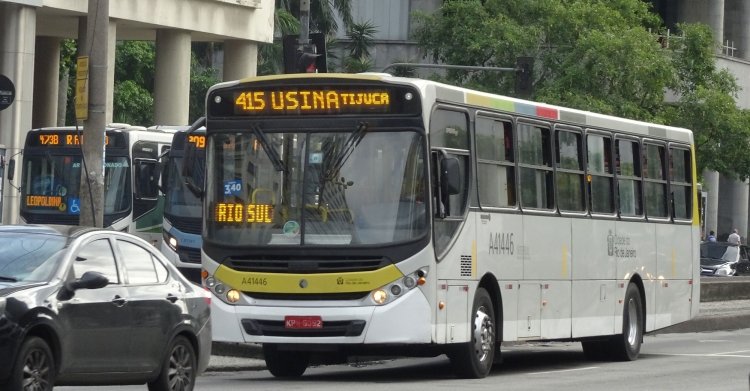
(179, 200)
(356, 187)
(51, 184)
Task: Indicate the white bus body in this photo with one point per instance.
(565, 225)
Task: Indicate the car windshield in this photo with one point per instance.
(29, 257)
(715, 254)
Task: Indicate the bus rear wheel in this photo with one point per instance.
(627, 346)
(473, 360)
(285, 363)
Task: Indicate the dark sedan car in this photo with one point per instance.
(724, 259)
(84, 306)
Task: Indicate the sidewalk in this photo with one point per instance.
(715, 315)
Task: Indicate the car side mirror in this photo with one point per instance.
(89, 280)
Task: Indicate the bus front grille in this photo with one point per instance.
(307, 297)
(275, 328)
(295, 265)
(190, 255)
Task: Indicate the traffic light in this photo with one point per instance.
(524, 76)
(298, 60)
(306, 62)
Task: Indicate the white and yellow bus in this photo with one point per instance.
(370, 214)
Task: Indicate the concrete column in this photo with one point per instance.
(240, 59)
(710, 12)
(742, 40)
(111, 54)
(172, 79)
(733, 207)
(17, 45)
(711, 186)
(46, 82)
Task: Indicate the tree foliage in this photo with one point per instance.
(598, 55)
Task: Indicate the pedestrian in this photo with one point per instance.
(734, 238)
(711, 236)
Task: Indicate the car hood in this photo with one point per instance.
(7, 288)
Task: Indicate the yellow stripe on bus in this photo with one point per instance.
(307, 283)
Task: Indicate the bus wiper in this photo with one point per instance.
(8, 279)
(270, 152)
(346, 150)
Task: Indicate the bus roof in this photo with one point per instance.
(439, 92)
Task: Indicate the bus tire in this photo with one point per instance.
(177, 368)
(473, 359)
(627, 346)
(285, 364)
(34, 367)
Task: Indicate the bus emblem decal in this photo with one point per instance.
(303, 283)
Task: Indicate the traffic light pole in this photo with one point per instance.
(304, 28)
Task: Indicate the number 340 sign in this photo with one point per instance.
(7, 92)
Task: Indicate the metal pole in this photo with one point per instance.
(91, 193)
(304, 19)
(442, 66)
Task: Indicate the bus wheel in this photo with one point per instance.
(285, 364)
(627, 346)
(34, 368)
(473, 360)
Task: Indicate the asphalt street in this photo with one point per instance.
(713, 316)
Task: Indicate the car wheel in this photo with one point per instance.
(34, 369)
(285, 363)
(473, 360)
(627, 346)
(177, 369)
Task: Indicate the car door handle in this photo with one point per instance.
(172, 298)
(119, 301)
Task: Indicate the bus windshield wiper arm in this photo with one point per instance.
(270, 152)
(346, 151)
(8, 279)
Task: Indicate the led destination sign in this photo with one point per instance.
(243, 213)
(198, 141)
(62, 140)
(311, 101)
(314, 98)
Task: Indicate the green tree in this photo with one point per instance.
(361, 42)
(706, 104)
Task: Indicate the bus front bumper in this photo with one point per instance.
(406, 320)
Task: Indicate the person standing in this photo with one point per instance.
(734, 238)
(711, 236)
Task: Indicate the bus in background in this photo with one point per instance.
(183, 209)
(51, 177)
(370, 214)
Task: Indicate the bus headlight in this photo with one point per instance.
(170, 240)
(222, 291)
(398, 288)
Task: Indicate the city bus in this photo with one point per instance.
(51, 178)
(376, 215)
(183, 209)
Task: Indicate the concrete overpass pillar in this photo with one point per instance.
(46, 82)
(172, 78)
(733, 207)
(111, 53)
(17, 49)
(711, 186)
(710, 12)
(240, 59)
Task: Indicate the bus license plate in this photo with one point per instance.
(303, 322)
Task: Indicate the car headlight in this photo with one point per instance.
(224, 292)
(398, 288)
(724, 270)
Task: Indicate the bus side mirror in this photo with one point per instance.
(450, 176)
(11, 170)
(164, 171)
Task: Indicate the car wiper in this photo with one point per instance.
(8, 279)
(346, 150)
(270, 152)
